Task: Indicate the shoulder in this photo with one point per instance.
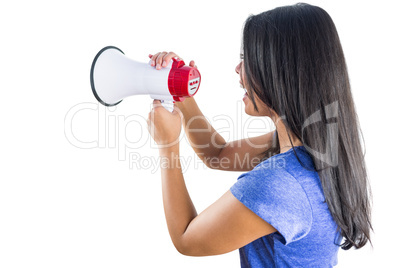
(273, 191)
(271, 185)
(289, 166)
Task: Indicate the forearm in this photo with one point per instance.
(179, 209)
(206, 142)
(213, 150)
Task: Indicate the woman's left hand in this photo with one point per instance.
(164, 126)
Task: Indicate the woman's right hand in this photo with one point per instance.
(162, 59)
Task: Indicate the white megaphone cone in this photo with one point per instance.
(115, 77)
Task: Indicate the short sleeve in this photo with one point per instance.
(278, 198)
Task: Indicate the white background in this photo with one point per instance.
(65, 206)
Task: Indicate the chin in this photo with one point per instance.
(250, 111)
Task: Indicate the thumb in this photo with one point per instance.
(156, 103)
(192, 64)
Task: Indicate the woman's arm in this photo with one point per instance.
(224, 226)
(211, 147)
(208, 144)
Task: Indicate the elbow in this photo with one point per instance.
(182, 249)
(179, 246)
(188, 250)
(212, 164)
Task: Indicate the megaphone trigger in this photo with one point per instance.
(169, 105)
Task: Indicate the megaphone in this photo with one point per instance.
(115, 77)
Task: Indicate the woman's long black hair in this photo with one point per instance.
(294, 62)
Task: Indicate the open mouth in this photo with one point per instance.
(245, 95)
(245, 90)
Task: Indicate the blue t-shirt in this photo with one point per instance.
(290, 198)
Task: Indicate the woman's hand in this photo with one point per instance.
(162, 59)
(164, 126)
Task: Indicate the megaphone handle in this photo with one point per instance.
(169, 105)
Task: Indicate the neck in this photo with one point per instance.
(285, 143)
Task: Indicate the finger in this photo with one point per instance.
(168, 57)
(150, 59)
(153, 59)
(150, 119)
(159, 60)
(149, 126)
(192, 64)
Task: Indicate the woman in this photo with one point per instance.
(309, 193)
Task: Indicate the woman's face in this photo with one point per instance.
(263, 110)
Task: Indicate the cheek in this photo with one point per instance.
(263, 109)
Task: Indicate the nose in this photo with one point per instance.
(237, 69)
